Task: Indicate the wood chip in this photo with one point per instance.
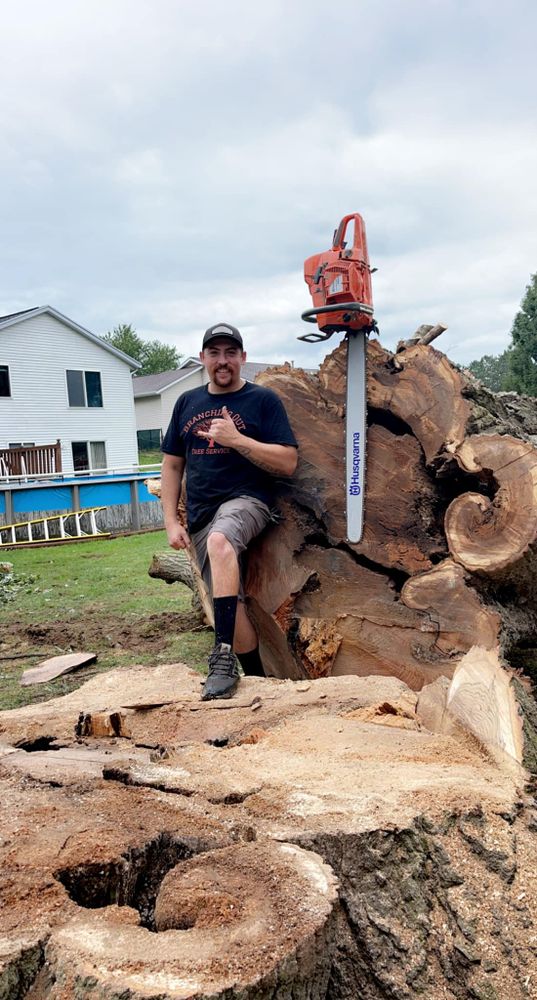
(55, 667)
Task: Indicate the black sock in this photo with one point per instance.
(225, 612)
(251, 663)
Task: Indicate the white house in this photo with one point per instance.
(59, 381)
(155, 395)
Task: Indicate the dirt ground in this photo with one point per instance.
(305, 839)
(148, 634)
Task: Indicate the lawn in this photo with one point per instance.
(93, 596)
(150, 457)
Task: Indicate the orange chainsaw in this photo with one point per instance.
(339, 280)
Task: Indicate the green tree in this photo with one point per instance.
(522, 376)
(492, 370)
(159, 357)
(153, 354)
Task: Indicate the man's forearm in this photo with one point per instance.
(170, 491)
(278, 459)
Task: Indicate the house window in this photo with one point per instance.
(84, 388)
(5, 388)
(149, 440)
(88, 455)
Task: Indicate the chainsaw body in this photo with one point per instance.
(339, 281)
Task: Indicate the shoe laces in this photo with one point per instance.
(222, 661)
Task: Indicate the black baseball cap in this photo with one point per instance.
(223, 330)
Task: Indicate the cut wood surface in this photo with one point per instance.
(482, 698)
(55, 666)
(489, 536)
(259, 855)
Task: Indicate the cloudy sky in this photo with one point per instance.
(171, 164)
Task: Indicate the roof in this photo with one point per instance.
(18, 317)
(153, 385)
(22, 312)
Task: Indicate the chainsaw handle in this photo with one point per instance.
(314, 338)
(359, 233)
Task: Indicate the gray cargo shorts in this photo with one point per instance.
(240, 520)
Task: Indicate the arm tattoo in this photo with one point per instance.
(246, 452)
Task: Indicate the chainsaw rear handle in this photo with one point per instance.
(359, 233)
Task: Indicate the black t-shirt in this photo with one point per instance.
(215, 474)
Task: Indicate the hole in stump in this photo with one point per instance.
(134, 880)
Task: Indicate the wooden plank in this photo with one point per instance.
(55, 667)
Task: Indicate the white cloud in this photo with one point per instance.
(172, 164)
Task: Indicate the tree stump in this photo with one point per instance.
(319, 840)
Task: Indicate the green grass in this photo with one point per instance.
(108, 575)
(150, 457)
(101, 587)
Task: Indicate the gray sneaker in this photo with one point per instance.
(223, 674)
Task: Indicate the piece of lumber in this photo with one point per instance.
(55, 666)
(105, 723)
(482, 698)
(425, 334)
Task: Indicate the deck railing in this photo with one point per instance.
(116, 471)
(33, 460)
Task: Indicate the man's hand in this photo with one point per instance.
(178, 537)
(223, 431)
(277, 459)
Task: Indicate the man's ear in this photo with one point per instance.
(201, 357)
(243, 357)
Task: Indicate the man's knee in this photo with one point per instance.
(219, 547)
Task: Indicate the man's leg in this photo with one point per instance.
(231, 622)
(225, 577)
(246, 644)
(218, 548)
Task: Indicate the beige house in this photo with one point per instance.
(155, 396)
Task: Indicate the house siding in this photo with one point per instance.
(38, 352)
(170, 396)
(148, 413)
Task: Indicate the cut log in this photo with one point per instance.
(493, 536)
(448, 556)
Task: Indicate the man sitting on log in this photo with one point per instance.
(233, 438)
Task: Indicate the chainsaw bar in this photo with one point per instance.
(355, 433)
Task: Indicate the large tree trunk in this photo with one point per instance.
(448, 559)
